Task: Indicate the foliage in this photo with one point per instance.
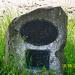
(69, 50)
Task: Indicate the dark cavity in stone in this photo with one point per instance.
(39, 32)
(37, 59)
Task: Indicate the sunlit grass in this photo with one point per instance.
(4, 22)
(70, 45)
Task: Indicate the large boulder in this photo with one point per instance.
(37, 39)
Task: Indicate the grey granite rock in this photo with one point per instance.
(37, 39)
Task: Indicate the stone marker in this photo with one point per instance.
(37, 39)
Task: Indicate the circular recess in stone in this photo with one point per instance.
(39, 32)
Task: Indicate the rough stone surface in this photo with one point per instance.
(18, 45)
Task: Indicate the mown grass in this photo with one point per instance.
(69, 50)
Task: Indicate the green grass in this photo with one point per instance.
(69, 49)
(70, 45)
(4, 22)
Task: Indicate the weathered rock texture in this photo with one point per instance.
(38, 38)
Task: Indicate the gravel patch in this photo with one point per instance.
(25, 6)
